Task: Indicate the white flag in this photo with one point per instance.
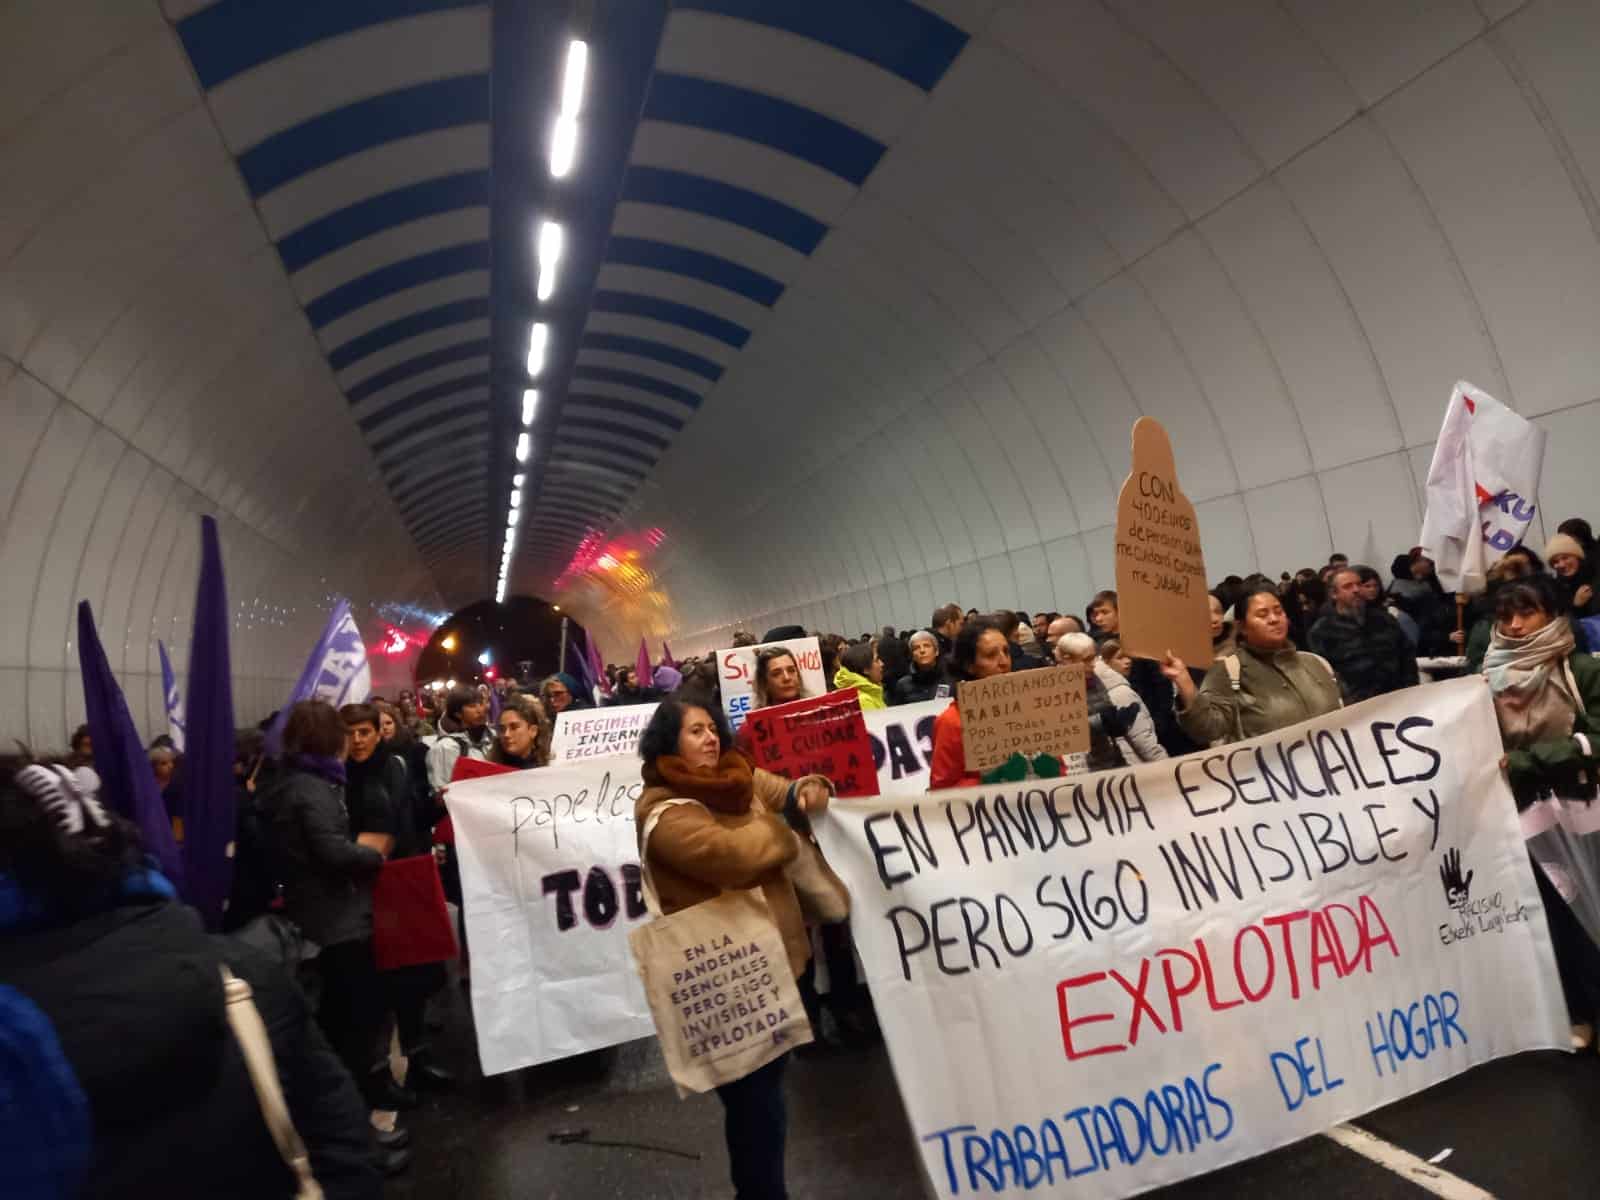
(1481, 487)
(174, 701)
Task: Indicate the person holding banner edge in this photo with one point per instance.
(1266, 685)
(1547, 699)
(709, 821)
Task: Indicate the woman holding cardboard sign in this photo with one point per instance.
(1266, 685)
(981, 651)
(710, 822)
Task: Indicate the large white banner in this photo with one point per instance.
(1097, 985)
(549, 876)
(550, 884)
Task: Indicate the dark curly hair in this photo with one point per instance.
(666, 725)
(965, 652)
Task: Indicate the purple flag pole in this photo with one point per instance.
(642, 665)
(209, 822)
(596, 668)
(127, 784)
(306, 685)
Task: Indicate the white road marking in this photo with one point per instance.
(1407, 1165)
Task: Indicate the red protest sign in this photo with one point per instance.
(821, 735)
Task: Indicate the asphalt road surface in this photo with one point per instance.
(610, 1124)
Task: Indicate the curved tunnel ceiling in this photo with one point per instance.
(860, 299)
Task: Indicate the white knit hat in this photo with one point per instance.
(1562, 544)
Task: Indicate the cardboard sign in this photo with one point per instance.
(1161, 572)
(825, 735)
(736, 669)
(598, 732)
(1094, 986)
(1025, 712)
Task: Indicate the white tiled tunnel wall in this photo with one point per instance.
(154, 367)
(1285, 230)
(1283, 227)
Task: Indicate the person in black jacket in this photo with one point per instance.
(1368, 650)
(378, 796)
(927, 674)
(134, 1084)
(327, 890)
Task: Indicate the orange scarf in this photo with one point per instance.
(728, 787)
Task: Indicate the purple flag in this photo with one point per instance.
(642, 665)
(576, 664)
(495, 705)
(597, 669)
(666, 656)
(127, 784)
(209, 822)
(337, 672)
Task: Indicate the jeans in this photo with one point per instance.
(755, 1124)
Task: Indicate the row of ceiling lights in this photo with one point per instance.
(548, 245)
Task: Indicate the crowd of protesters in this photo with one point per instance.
(352, 788)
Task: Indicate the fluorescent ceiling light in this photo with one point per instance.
(523, 446)
(563, 146)
(550, 244)
(516, 480)
(530, 401)
(572, 80)
(538, 343)
(516, 497)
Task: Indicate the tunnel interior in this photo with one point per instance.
(850, 311)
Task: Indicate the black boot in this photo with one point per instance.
(425, 1075)
(392, 1139)
(383, 1092)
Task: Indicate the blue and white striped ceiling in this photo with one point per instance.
(725, 137)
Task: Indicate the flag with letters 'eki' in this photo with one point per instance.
(172, 697)
(1482, 486)
(336, 672)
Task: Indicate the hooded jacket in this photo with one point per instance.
(454, 740)
(134, 995)
(1276, 689)
(871, 694)
(1141, 744)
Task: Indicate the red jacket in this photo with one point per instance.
(949, 758)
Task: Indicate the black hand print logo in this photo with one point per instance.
(1456, 889)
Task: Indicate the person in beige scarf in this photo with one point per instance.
(1547, 697)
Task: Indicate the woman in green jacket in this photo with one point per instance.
(1547, 698)
(1265, 685)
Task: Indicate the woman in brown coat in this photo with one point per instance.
(736, 834)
